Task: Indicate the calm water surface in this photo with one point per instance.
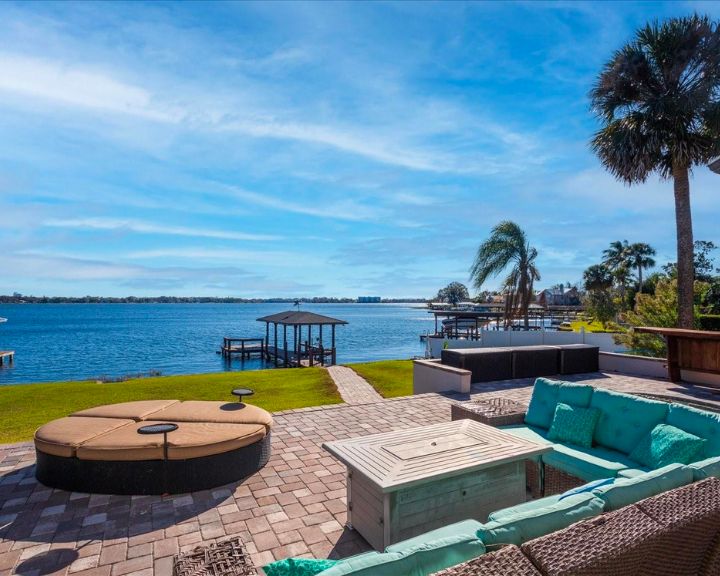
(79, 341)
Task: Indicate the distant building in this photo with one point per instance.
(368, 299)
(559, 297)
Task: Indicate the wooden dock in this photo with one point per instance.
(7, 356)
(308, 356)
(245, 347)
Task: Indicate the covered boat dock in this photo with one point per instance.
(303, 351)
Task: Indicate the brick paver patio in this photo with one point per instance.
(294, 506)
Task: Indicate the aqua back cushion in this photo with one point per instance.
(704, 424)
(546, 395)
(533, 523)
(625, 419)
(366, 565)
(418, 556)
(626, 491)
(463, 528)
(706, 468)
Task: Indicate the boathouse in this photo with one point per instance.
(297, 330)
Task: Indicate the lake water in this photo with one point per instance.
(81, 341)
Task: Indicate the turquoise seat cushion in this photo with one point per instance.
(523, 508)
(626, 491)
(698, 422)
(529, 433)
(419, 556)
(533, 523)
(574, 425)
(298, 567)
(588, 463)
(632, 472)
(665, 445)
(706, 468)
(625, 419)
(546, 395)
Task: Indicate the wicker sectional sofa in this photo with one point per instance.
(639, 521)
(673, 533)
(625, 420)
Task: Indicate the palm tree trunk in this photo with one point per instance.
(685, 267)
(640, 279)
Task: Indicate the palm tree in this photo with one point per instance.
(658, 99)
(616, 256)
(640, 256)
(506, 247)
(597, 277)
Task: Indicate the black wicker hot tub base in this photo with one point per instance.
(145, 477)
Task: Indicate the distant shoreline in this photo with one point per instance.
(191, 300)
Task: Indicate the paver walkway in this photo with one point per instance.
(295, 506)
(353, 388)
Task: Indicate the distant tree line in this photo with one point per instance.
(23, 299)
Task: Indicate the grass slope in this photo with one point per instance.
(391, 378)
(25, 407)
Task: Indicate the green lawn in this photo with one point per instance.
(593, 326)
(391, 378)
(25, 407)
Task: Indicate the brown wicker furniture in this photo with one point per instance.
(404, 483)
(493, 412)
(105, 450)
(692, 512)
(676, 533)
(556, 481)
(508, 561)
(218, 559)
(619, 543)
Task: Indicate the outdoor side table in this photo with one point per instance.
(163, 429)
(240, 392)
(493, 411)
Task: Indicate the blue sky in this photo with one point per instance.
(308, 149)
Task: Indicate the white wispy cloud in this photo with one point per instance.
(399, 144)
(145, 227)
(67, 84)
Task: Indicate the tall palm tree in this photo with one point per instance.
(640, 256)
(508, 247)
(616, 256)
(658, 99)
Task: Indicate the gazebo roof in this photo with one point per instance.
(297, 318)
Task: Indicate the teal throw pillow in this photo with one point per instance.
(298, 567)
(574, 425)
(665, 445)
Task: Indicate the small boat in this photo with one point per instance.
(3, 320)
